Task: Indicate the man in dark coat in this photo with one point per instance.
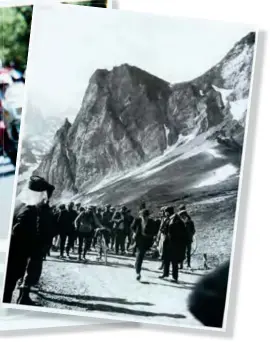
(174, 244)
(71, 231)
(144, 228)
(27, 245)
(208, 299)
(64, 226)
(190, 227)
(118, 232)
(85, 224)
(99, 214)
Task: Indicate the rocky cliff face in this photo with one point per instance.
(55, 166)
(129, 117)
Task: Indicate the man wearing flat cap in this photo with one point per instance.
(31, 223)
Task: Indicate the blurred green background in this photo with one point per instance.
(15, 26)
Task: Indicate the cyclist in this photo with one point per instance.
(100, 237)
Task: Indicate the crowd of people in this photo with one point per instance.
(74, 228)
(170, 235)
(35, 227)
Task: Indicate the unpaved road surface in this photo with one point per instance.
(92, 287)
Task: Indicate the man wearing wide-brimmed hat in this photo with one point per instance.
(28, 240)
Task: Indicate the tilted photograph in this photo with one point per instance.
(129, 166)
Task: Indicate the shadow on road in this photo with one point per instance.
(95, 298)
(88, 262)
(182, 285)
(77, 305)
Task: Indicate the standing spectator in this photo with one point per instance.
(161, 235)
(107, 223)
(174, 244)
(190, 228)
(26, 251)
(119, 232)
(64, 225)
(85, 224)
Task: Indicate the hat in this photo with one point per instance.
(169, 210)
(182, 210)
(145, 212)
(39, 184)
(142, 206)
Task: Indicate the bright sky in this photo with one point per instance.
(69, 43)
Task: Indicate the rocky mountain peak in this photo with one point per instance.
(129, 117)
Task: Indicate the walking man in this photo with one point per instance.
(144, 228)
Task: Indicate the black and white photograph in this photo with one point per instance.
(129, 172)
(15, 26)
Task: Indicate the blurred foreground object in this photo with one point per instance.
(207, 301)
(11, 102)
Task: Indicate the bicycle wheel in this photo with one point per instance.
(104, 248)
(194, 246)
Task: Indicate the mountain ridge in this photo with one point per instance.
(129, 117)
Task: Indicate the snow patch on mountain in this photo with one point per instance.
(217, 176)
(224, 93)
(238, 108)
(167, 132)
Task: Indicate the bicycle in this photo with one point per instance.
(194, 245)
(101, 245)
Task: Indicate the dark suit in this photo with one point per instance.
(27, 244)
(144, 239)
(174, 246)
(66, 220)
